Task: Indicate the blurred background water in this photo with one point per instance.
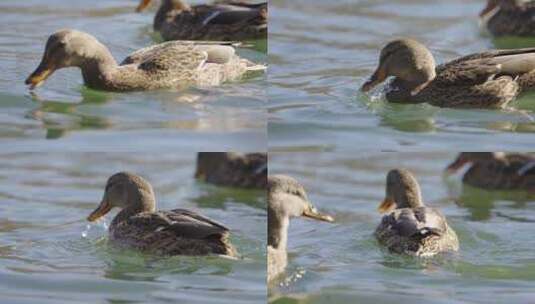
(50, 254)
(342, 263)
(65, 115)
(321, 52)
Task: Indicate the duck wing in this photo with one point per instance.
(479, 67)
(417, 222)
(181, 222)
(230, 13)
(193, 51)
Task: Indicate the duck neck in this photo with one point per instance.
(97, 67)
(167, 11)
(410, 197)
(138, 202)
(277, 230)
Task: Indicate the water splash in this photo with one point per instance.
(86, 231)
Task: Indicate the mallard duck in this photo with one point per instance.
(286, 199)
(496, 170)
(139, 226)
(231, 20)
(509, 17)
(233, 169)
(412, 228)
(489, 79)
(167, 65)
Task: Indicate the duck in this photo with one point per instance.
(227, 21)
(141, 227)
(233, 169)
(174, 64)
(287, 199)
(509, 18)
(496, 170)
(485, 80)
(409, 227)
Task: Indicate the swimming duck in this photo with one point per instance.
(410, 227)
(233, 169)
(286, 199)
(139, 226)
(489, 79)
(496, 170)
(230, 20)
(167, 65)
(509, 17)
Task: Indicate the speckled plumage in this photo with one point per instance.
(229, 20)
(168, 65)
(488, 79)
(497, 171)
(233, 169)
(412, 228)
(417, 231)
(509, 18)
(139, 226)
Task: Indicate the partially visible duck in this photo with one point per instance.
(488, 79)
(409, 227)
(140, 226)
(233, 169)
(509, 17)
(166, 65)
(227, 21)
(496, 170)
(286, 199)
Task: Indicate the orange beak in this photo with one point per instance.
(142, 5)
(43, 71)
(387, 205)
(101, 210)
(313, 213)
(377, 77)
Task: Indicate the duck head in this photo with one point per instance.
(66, 48)
(288, 198)
(127, 191)
(402, 191)
(406, 59)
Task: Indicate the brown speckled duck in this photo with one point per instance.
(229, 20)
(489, 79)
(233, 169)
(167, 65)
(497, 170)
(286, 199)
(412, 228)
(139, 226)
(509, 17)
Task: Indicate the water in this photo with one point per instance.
(65, 115)
(49, 253)
(321, 52)
(342, 263)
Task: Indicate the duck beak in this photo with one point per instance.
(38, 77)
(378, 76)
(455, 166)
(491, 5)
(387, 205)
(313, 213)
(142, 5)
(101, 210)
